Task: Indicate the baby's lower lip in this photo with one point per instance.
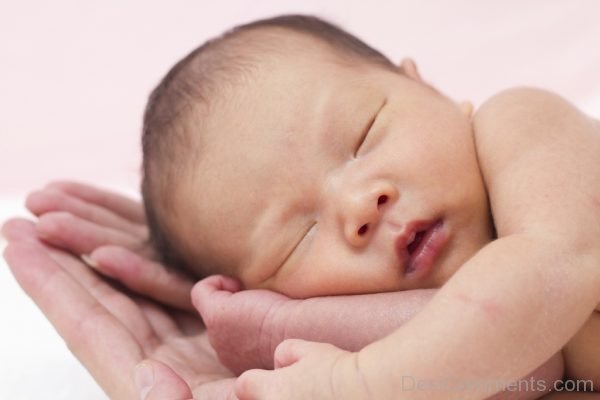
(421, 260)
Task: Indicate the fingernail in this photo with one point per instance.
(144, 379)
(88, 260)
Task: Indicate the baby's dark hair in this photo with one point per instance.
(173, 113)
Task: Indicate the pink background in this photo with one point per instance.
(74, 77)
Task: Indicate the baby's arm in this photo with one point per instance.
(246, 326)
(522, 297)
(571, 396)
(352, 322)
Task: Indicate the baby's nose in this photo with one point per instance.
(363, 213)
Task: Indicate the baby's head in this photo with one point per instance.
(293, 156)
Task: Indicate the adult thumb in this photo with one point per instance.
(156, 381)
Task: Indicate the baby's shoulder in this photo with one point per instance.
(537, 154)
(523, 108)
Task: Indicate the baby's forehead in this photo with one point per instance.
(280, 99)
(287, 43)
(287, 95)
(268, 49)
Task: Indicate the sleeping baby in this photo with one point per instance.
(298, 162)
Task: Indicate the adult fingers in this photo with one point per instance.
(96, 338)
(162, 322)
(51, 199)
(122, 307)
(19, 229)
(82, 237)
(119, 204)
(221, 389)
(144, 276)
(156, 381)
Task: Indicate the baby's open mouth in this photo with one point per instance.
(414, 243)
(420, 245)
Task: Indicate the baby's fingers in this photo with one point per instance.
(143, 276)
(291, 351)
(82, 237)
(51, 199)
(207, 293)
(121, 205)
(251, 384)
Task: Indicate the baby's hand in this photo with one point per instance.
(244, 327)
(309, 370)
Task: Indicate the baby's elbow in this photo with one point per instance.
(575, 270)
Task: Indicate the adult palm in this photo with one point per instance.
(108, 327)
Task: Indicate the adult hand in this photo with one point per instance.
(110, 230)
(111, 331)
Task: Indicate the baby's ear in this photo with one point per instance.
(409, 68)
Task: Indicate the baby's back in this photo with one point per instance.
(582, 353)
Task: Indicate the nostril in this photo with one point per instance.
(362, 230)
(382, 200)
